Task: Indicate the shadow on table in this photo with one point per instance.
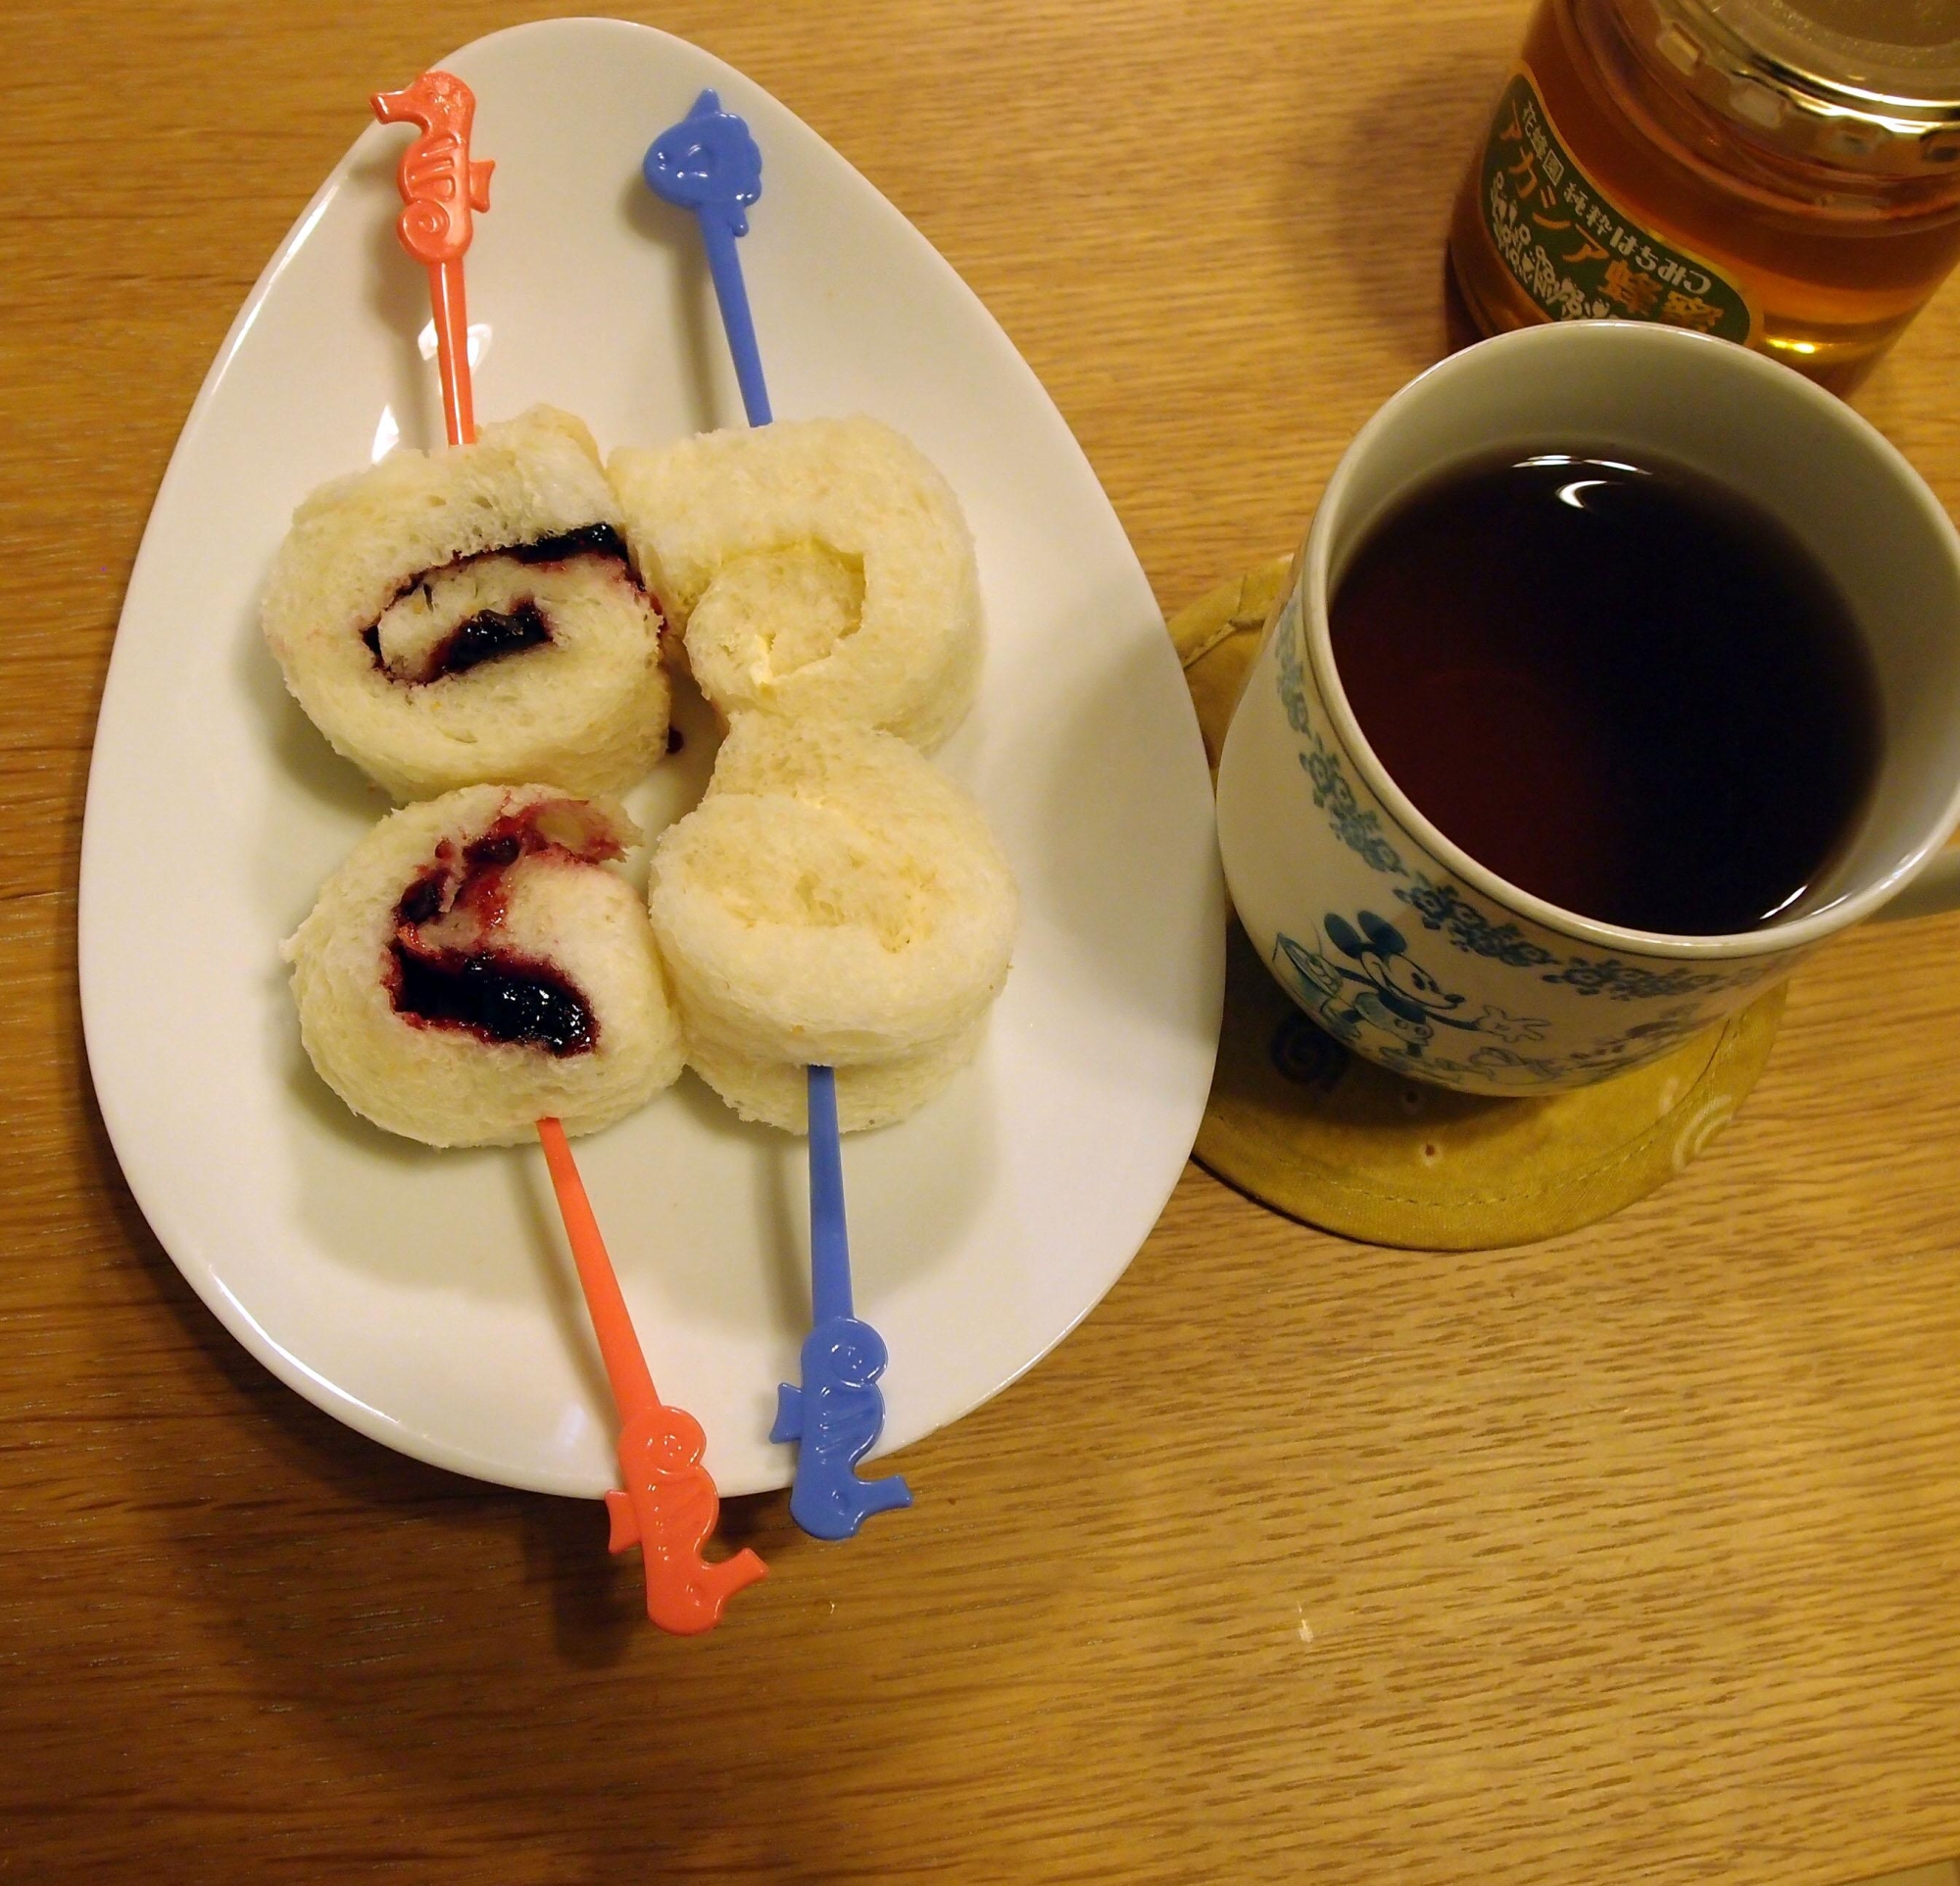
(1382, 203)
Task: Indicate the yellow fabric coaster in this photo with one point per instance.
(1301, 1125)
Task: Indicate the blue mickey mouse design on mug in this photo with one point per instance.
(1385, 989)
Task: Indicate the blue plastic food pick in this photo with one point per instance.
(709, 164)
(835, 1417)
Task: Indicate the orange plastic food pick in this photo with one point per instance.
(441, 183)
(669, 1506)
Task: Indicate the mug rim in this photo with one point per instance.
(1780, 382)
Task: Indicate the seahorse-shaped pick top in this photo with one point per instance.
(835, 1418)
(440, 185)
(440, 182)
(668, 1509)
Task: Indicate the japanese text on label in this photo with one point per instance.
(1571, 251)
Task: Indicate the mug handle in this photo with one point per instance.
(1936, 888)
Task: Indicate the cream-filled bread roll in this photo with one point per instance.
(472, 615)
(474, 966)
(832, 900)
(870, 1093)
(821, 568)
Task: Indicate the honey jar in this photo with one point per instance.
(1783, 172)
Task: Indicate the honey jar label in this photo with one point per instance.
(1572, 250)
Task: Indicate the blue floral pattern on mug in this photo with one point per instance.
(1631, 982)
(1443, 906)
(1333, 791)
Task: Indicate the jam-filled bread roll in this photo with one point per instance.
(836, 900)
(475, 964)
(472, 615)
(821, 568)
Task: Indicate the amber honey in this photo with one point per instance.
(1690, 161)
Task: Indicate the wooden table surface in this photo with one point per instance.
(1632, 1555)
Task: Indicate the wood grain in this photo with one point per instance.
(1635, 1553)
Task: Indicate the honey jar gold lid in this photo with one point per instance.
(1866, 85)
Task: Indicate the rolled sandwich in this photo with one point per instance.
(833, 899)
(821, 568)
(472, 615)
(473, 966)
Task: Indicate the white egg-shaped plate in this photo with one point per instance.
(423, 1297)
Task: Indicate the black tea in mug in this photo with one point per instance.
(1620, 686)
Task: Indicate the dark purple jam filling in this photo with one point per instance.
(675, 740)
(486, 635)
(496, 996)
(422, 899)
(588, 540)
(490, 633)
(499, 847)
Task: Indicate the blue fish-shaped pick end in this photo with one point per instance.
(835, 1420)
(706, 163)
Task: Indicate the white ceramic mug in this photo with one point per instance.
(1409, 950)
